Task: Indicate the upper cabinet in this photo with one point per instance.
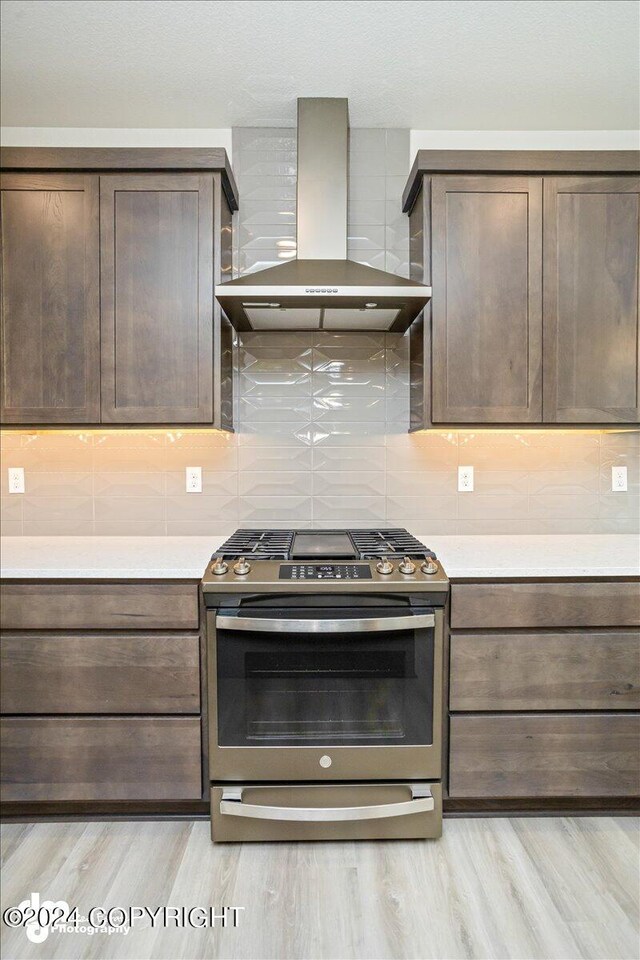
(487, 299)
(50, 299)
(108, 308)
(156, 257)
(534, 316)
(591, 241)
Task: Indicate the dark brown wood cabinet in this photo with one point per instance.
(105, 673)
(100, 758)
(560, 603)
(108, 308)
(544, 694)
(101, 697)
(528, 324)
(559, 670)
(545, 755)
(591, 299)
(73, 605)
(50, 298)
(156, 255)
(487, 299)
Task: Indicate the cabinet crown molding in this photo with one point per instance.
(516, 161)
(107, 159)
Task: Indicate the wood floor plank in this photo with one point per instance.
(518, 889)
(204, 877)
(11, 840)
(137, 885)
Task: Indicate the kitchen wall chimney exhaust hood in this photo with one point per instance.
(321, 289)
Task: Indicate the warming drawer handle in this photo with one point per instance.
(326, 626)
(421, 802)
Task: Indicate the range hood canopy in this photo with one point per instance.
(322, 289)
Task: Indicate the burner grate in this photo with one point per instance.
(371, 544)
(259, 544)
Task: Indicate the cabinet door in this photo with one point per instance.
(50, 299)
(487, 299)
(156, 255)
(591, 323)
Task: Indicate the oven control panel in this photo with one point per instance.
(324, 571)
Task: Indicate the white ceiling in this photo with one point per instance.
(455, 65)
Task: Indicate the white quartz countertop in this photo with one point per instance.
(158, 558)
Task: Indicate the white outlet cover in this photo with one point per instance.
(16, 479)
(618, 479)
(193, 479)
(465, 479)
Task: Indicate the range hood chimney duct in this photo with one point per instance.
(321, 289)
(322, 186)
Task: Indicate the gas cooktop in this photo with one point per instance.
(331, 560)
(322, 545)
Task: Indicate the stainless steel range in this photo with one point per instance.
(324, 685)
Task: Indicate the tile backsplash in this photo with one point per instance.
(321, 418)
(320, 442)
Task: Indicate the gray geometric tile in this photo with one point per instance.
(397, 153)
(346, 484)
(273, 484)
(367, 188)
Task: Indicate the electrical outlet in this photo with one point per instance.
(193, 479)
(16, 479)
(465, 479)
(618, 479)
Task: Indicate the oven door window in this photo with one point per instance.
(351, 689)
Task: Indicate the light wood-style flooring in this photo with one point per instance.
(491, 888)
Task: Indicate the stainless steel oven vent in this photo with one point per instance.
(321, 289)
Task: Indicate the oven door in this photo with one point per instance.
(325, 694)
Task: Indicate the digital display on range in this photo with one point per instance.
(324, 571)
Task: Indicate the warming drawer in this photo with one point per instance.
(362, 811)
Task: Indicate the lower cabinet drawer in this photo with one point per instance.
(99, 673)
(567, 603)
(545, 755)
(39, 605)
(100, 758)
(586, 670)
(345, 811)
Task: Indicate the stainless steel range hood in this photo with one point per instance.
(321, 289)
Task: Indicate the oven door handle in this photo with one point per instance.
(376, 625)
(421, 802)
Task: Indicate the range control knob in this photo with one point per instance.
(384, 565)
(429, 566)
(219, 566)
(407, 566)
(241, 566)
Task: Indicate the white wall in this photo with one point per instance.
(523, 140)
(114, 137)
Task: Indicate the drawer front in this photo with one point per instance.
(99, 673)
(100, 758)
(570, 755)
(260, 812)
(545, 671)
(563, 604)
(99, 606)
